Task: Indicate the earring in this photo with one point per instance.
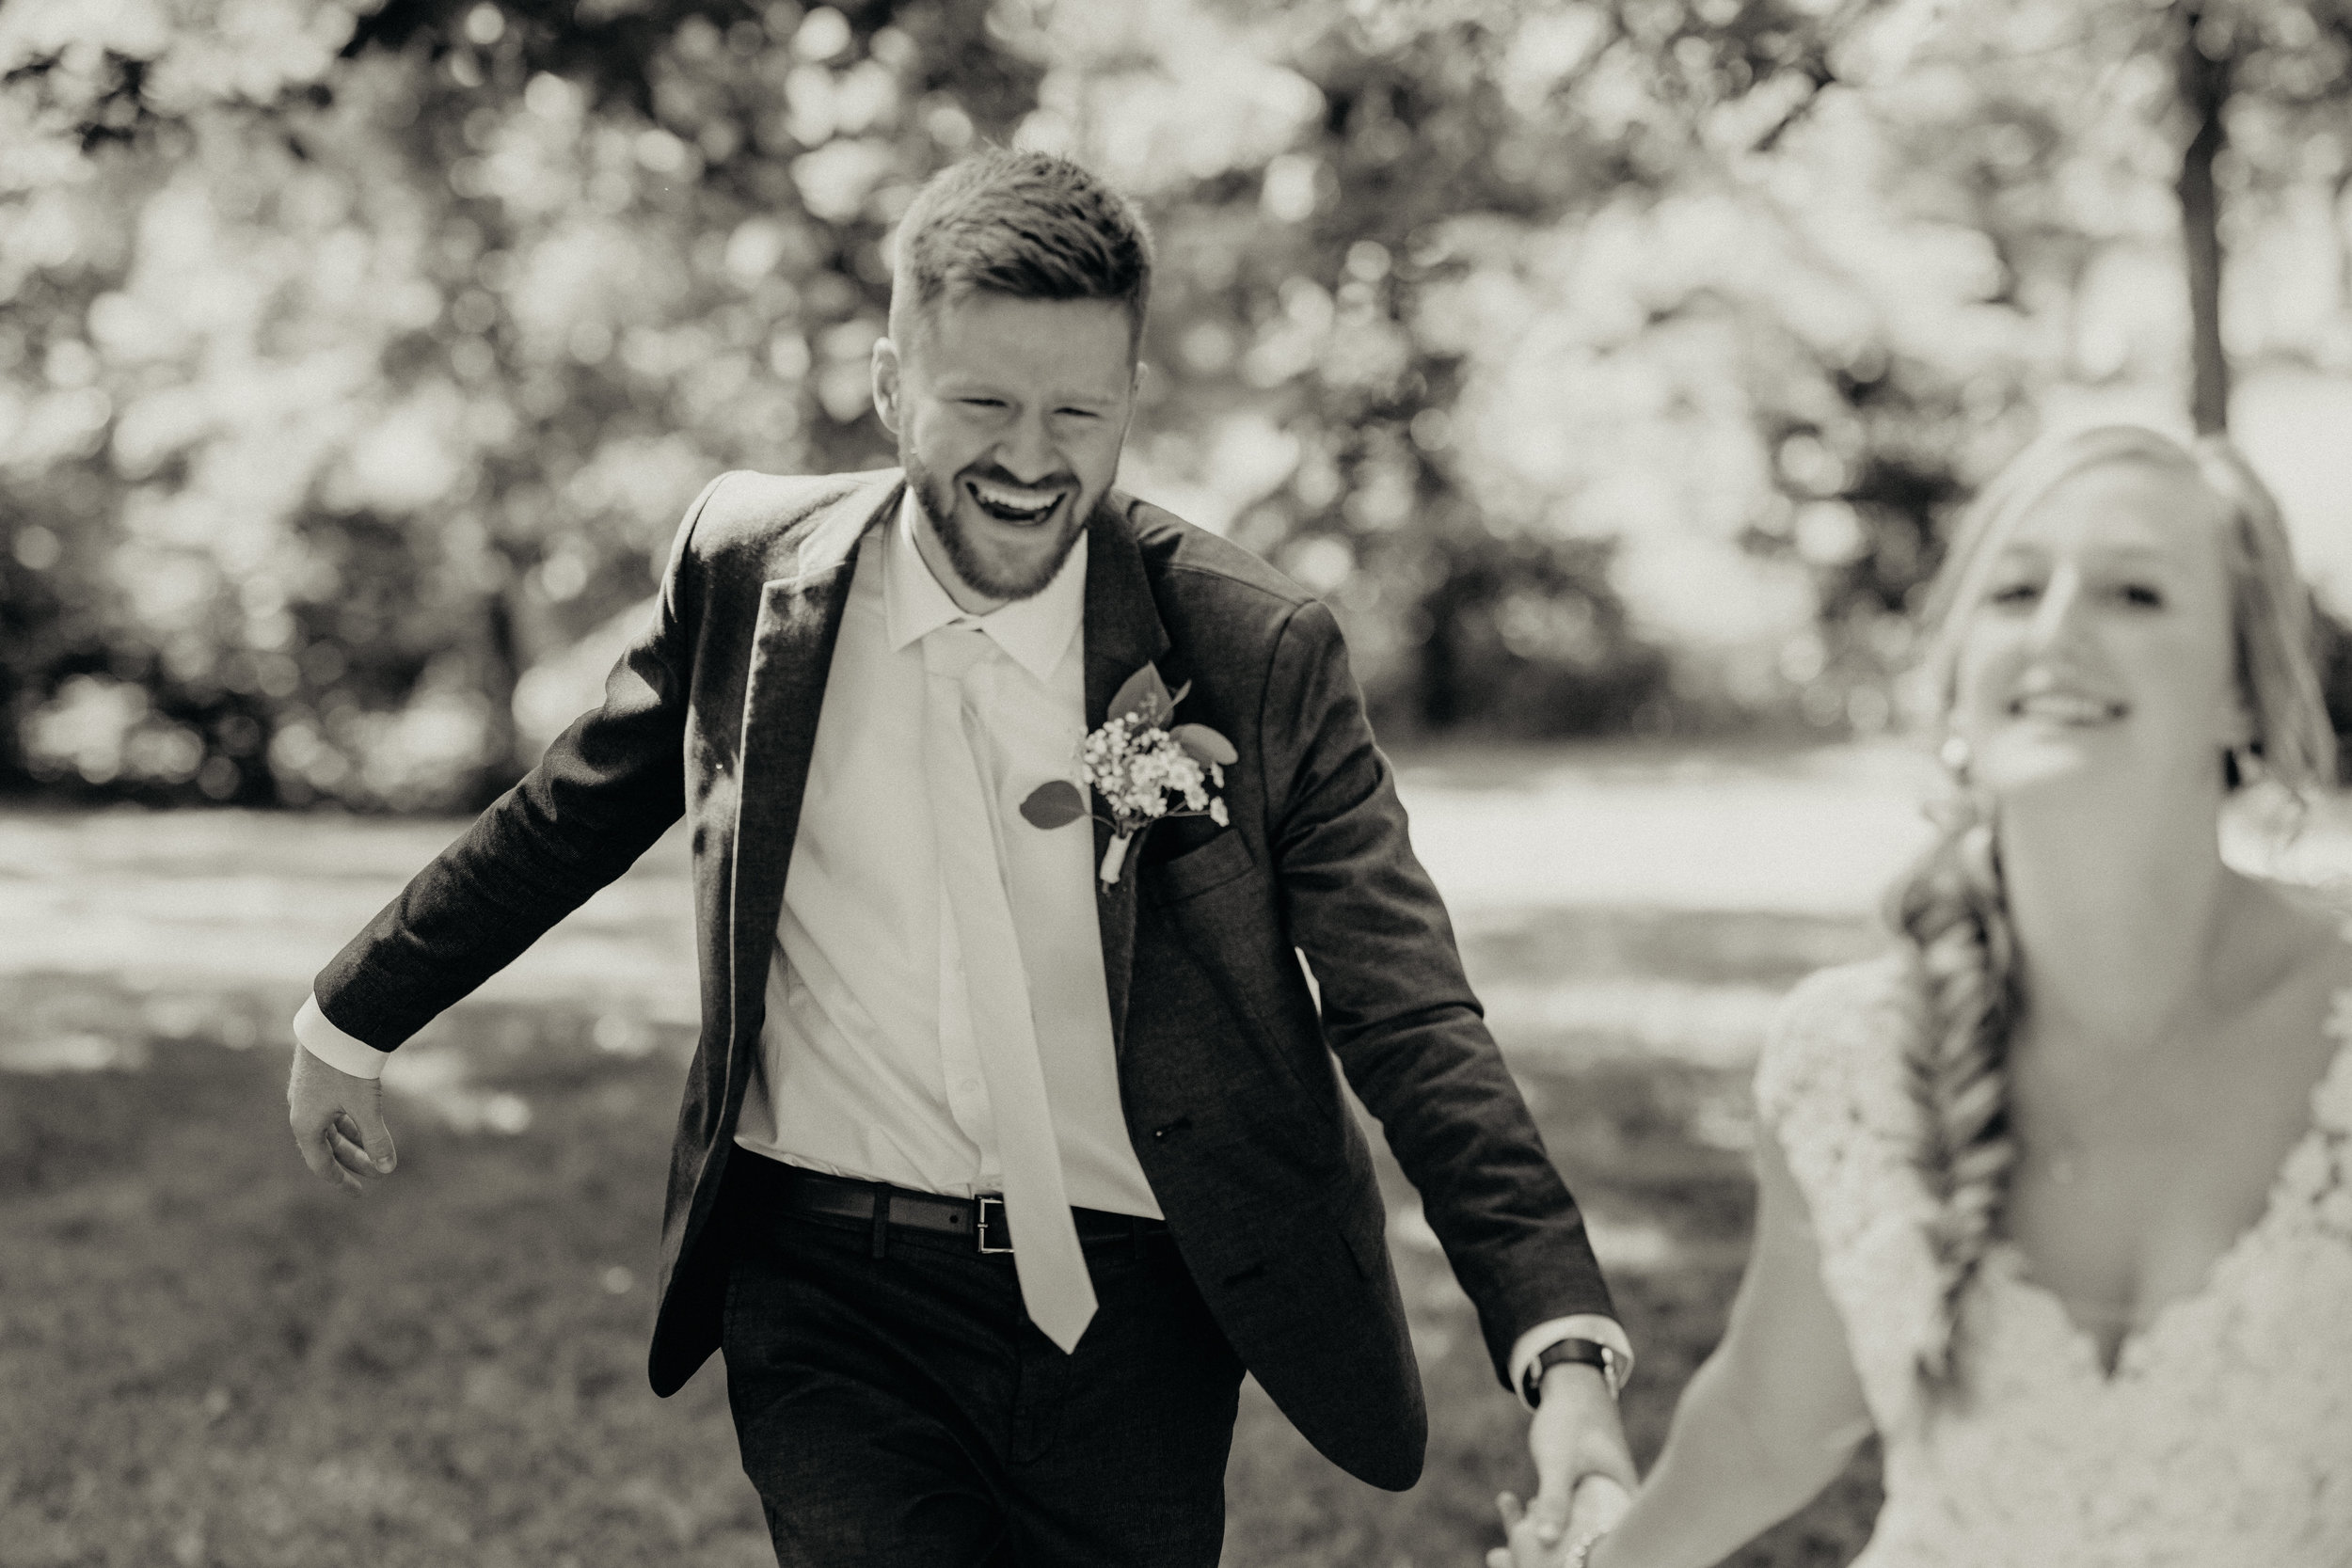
(1956, 807)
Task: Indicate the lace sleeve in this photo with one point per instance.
(1810, 1050)
(2318, 1175)
(1830, 1090)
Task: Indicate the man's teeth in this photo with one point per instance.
(2067, 708)
(1005, 498)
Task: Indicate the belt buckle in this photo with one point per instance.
(980, 1224)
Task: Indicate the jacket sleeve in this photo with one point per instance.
(606, 788)
(1397, 1009)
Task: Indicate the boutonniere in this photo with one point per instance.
(1139, 769)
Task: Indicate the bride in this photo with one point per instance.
(2058, 1198)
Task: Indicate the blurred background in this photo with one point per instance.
(1615, 367)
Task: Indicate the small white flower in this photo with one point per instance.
(1142, 773)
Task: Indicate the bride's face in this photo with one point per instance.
(2099, 646)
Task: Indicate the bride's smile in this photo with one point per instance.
(2045, 698)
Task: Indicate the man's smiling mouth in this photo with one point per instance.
(1012, 503)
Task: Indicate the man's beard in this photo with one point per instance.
(939, 500)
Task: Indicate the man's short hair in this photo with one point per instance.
(1027, 225)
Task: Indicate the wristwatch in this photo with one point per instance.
(1586, 1353)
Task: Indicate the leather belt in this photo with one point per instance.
(981, 1219)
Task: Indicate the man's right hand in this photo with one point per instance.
(337, 1123)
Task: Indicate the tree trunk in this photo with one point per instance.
(1439, 673)
(2204, 88)
(501, 669)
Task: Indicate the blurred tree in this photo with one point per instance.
(2284, 67)
(1401, 187)
(371, 356)
(2046, 131)
(2254, 97)
(1603, 362)
(1488, 305)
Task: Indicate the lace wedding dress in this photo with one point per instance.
(2222, 1438)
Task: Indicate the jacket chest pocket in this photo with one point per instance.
(1225, 858)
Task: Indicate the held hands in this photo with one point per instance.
(1599, 1503)
(337, 1123)
(1583, 1470)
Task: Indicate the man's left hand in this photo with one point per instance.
(1575, 1434)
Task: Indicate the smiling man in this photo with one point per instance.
(993, 1175)
(1010, 406)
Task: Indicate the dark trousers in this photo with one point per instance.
(903, 1410)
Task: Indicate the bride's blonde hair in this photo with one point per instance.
(1951, 906)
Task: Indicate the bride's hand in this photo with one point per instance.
(1523, 1548)
(1599, 1504)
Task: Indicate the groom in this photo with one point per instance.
(995, 1172)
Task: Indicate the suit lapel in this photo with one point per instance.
(800, 619)
(1122, 633)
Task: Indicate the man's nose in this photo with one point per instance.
(1027, 452)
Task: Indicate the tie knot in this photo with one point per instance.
(955, 649)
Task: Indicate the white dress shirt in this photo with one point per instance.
(868, 1064)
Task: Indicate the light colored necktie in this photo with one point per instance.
(1055, 1286)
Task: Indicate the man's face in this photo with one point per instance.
(1009, 415)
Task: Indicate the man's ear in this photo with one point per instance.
(888, 383)
(1135, 400)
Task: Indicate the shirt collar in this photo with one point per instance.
(1035, 631)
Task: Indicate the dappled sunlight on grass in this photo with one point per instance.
(228, 1362)
(212, 1357)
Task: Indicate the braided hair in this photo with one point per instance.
(1951, 910)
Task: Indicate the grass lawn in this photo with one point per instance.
(207, 1357)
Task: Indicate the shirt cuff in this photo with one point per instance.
(338, 1050)
(1585, 1325)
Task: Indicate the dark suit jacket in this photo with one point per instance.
(1225, 1057)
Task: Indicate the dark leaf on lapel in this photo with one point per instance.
(1144, 696)
(1181, 693)
(1204, 745)
(1053, 803)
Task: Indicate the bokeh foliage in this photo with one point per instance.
(422, 326)
(1610, 363)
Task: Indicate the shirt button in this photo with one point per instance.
(970, 1085)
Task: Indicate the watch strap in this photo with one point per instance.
(1585, 1353)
